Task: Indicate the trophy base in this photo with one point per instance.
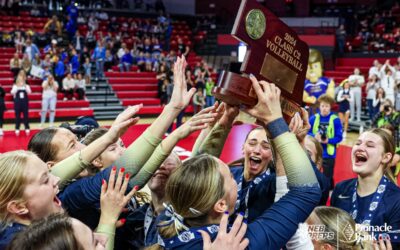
(234, 90)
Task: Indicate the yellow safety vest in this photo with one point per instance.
(330, 133)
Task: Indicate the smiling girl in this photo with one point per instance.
(371, 198)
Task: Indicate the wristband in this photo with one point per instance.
(277, 127)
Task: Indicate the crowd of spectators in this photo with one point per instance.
(373, 30)
(198, 77)
(381, 89)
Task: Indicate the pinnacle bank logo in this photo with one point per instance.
(348, 232)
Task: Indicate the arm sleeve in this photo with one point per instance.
(138, 153)
(151, 166)
(274, 228)
(69, 168)
(199, 140)
(108, 230)
(338, 132)
(297, 166)
(281, 187)
(214, 142)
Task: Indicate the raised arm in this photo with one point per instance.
(197, 122)
(219, 108)
(215, 140)
(276, 226)
(70, 167)
(142, 148)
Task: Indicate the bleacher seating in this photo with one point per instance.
(65, 109)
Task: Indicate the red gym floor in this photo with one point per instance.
(232, 149)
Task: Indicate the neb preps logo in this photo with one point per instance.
(320, 232)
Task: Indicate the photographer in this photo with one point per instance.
(327, 129)
(387, 115)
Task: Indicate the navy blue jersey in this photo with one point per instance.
(388, 210)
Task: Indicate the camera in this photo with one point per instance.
(386, 108)
(79, 130)
(322, 131)
(82, 126)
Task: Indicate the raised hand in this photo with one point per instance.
(383, 244)
(219, 108)
(227, 241)
(123, 121)
(113, 199)
(197, 122)
(230, 113)
(180, 97)
(300, 125)
(268, 107)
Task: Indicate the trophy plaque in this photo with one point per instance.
(274, 54)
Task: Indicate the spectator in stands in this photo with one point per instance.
(47, 63)
(113, 25)
(380, 97)
(326, 127)
(356, 82)
(35, 12)
(387, 80)
(121, 51)
(68, 87)
(126, 61)
(163, 94)
(386, 115)
(19, 42)
(344, 98)
(71, 27)
(80, 86)
(109, 61)
(198, 101)
(102, 15)
(78, 41)
(87, 69)
(85, 53)
(72, 11)
(2, 108)
(15, 65)
(59, 71)
(372, 85)
(157, 48)
(210, 99)
(183, 48)
(341, 38)
(37, 61)
(189, 80)
(149, 62)
(90, 40)
(93, 23)
(26, 64)
(74, 61)
(53, 27)
(161, 76)
(31, 49)
(49, 100)
(375, 69)
(99, 55)
(20, 92)
(199, 82)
